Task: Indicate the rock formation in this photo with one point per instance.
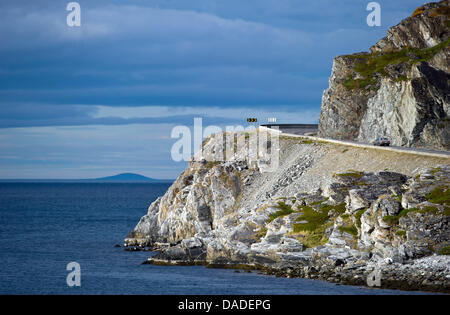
(330, 211)
(400, 90)
(302, 219)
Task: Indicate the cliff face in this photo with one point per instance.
(308, 213)
(399, 90)
(330, 211)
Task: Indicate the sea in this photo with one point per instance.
(46, 226)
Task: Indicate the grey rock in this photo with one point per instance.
(409, 105)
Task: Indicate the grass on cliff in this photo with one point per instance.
(444, 251)
(349, 229)
(371, 66)
(312, 230)
(284, 210)
(418, 11)
(351, 174)
(260, 234)
(442, 10)
(394, 219)
(299, 140)
(439, 195)
(358, 216)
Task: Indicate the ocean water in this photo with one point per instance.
(45, 226)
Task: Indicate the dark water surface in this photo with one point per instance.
(44, 226)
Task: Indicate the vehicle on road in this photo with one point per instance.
(382, 142)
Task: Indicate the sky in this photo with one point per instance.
(103, 98)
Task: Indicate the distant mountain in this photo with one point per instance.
(129, 177)
(124, 177)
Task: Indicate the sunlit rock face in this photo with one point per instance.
(399, 90)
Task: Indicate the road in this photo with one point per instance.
(296, 129)
(303, 129)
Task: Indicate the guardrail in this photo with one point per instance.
(445, 155)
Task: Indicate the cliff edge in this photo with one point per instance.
(400, 89)
(329, 211)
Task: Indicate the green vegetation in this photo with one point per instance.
(211, 164)
(319, 202)
(349, 229)
(335, 209)
(391, 219)
(300, 140)
(439, 195)
(447, 211)
(394, 219)
(284, 210)
(352, 174)
(418, 11)
(313, 231)
(401, 233)
(442, 10)
(358, 216)
(429, 209)
(316, 221)
(340, 208)
(371, 66)
(351, 84)
(401, 78)
(260, 234)
(444, 251)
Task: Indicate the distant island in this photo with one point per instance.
(119, 178)
(129, 177)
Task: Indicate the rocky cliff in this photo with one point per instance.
(329, 211)
(400, 89)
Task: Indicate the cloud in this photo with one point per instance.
(100, 99)
(40, 115)
(86, 152)
(172, 53)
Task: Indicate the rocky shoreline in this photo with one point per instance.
(387, 225)
(333, 212)
(428, 274)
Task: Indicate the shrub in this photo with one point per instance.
(284, 210)
(358, 216)
(337, 209)
(260, 234)
(349, 229)
(369, 66)
(319, 202)
(351, 174)
(391, 219)
(444, 251)
(418, 11)
(447, 211)
(439, 195)
(314, 219)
